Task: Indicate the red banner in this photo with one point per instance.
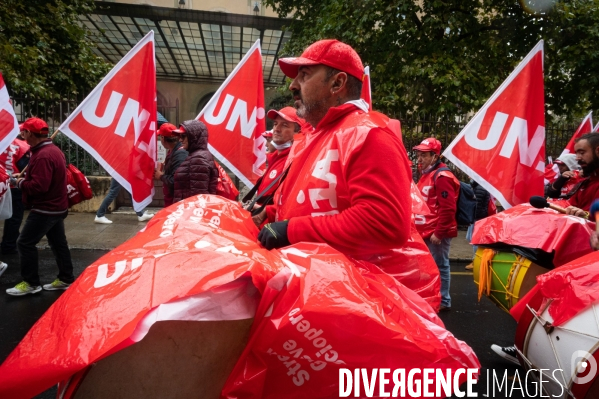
(586, 126)
(9, 125)
(503, 146)
(235, 119)
(366, 94)
(116, 123)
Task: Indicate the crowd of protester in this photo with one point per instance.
(336, 174)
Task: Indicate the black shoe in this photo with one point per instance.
(507, 352)
(444, 308)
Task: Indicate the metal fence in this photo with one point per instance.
(414, 127)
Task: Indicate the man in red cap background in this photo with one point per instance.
(440, 189)
(174, 157)
(349, 181)
(286, 125)
(45, 192)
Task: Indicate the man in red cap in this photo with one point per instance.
(45, 191)
(440, 189)
(349, 181)
(286, 125)
(174, 157)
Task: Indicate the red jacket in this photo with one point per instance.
(348, 185)
(586, 193)
(441, 196)
(45, 184)
(276, 166)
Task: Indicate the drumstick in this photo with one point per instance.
(540, 203)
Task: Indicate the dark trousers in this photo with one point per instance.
(12, 225)
(36, 226)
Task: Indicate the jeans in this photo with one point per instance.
(114, 190)
(12, 225)
(441, 256)
(52, 226)
(469, 237)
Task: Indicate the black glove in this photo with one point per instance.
(274, 235)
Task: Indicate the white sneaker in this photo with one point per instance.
(56, 285)
(145, 217)
(102, 220)
(23, 288)
(3, 267)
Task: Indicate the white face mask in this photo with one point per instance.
(280, 147)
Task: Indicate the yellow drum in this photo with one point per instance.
(506, 276)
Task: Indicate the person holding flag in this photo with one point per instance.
(44, 189)
(440, 189)
(286, 125)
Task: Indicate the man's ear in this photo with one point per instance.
(338, 82)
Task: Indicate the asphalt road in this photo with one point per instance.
(478, 324)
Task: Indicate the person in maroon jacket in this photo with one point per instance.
(587, 154)
(45, 192)
(440, 189)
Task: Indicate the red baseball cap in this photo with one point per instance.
(181, 130)
(166, 130)
(430, 144)
(287, 113)
(35, 125)
(328, 52)
(267, 134)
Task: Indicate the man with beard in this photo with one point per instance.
(349, 180)
(587, 154)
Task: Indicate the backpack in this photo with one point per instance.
(225, 187)
(466, 206)
(83, 185)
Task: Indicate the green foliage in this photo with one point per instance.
(450, 56)
(44, 52)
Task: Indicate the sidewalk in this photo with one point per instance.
(83, 233)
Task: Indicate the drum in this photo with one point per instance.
(506, 276)
(176, 359)
(568, 354)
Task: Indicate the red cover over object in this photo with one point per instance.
(324, 314)
(205, 242)
(572, 287)
(545, 229)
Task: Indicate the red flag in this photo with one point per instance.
(9, 125)
(235, 119)
(586, 126)
(366, 94)
(596, 128)
(503, 146)
(116, 123)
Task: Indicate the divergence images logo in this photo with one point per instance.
(585, 367)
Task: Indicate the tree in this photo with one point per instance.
(450, 56)
(44, 52)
